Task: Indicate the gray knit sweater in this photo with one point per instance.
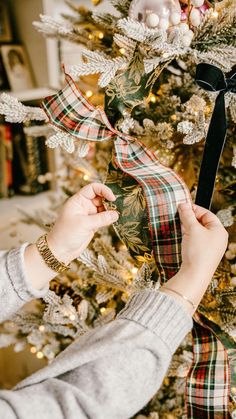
(109, 373)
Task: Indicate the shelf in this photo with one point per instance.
(33, 94)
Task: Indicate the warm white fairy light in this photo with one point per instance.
(41, 328)
(134, 270)
(33, 350)
(215, 14)
(122, 51)
(102, 309)
(101, 35)
(86, 177)
(72, 317)
(153, 98)
(88, 93)
(39, 355)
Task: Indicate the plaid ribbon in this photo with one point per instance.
(208, 380)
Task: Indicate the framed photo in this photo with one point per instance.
(17, 67)
(5, 27)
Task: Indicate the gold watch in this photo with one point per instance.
(48, 256)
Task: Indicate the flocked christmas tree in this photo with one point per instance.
(140, 66)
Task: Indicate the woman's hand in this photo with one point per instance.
(204, 239)
(203, 245)
(81, 216)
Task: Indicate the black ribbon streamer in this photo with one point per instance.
(211, 78)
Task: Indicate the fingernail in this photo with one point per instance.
(185, 205)
(114, 215)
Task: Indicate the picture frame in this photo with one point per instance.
(17, 67)
(5, 27)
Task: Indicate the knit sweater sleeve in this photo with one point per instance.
(110, 372)
(15, 288)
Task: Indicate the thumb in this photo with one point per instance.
(102, 219)
(187, 216)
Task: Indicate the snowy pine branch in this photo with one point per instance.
(61, 139)
(53, 26)
(216, 30)
(126, 43)
(139, 31)
(223, 56)
(14, 111)
(105, 20)
(58, 28)
(98, 63)
(122, 6)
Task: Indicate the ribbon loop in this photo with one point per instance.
(231, 84)
(210, 78)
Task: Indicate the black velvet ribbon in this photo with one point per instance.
(211, 78)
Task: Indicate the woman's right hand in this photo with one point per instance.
(203, 245)
(204, 239)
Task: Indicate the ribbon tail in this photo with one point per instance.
(208, 381)
(212, 153)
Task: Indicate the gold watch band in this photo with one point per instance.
(48, 256)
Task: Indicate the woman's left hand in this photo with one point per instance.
(81, 216)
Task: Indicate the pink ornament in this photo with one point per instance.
(183, 16)
(203, 8)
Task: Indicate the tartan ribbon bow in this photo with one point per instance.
(211, 78)
(163, 191)
(70, 111)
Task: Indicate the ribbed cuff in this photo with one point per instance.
(16, 271)
(6, 410)
(161, 314)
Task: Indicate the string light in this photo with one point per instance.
(88, 93)
(39, 355)
(122, 50)
(134, 270)
(153, 98)
(173, 117)
(72, 317)
(33, 350)
(215, 14)
(42, 328)
(101, 35)
(90, 36)
(86, 177)
(102, 309)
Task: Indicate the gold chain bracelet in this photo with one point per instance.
(48, 256)
(181, 295)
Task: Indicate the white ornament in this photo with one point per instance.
(229, 255)
(226, 217)
(164, 24)
(187, 38)
(232, 247)
(184, 27)
(195, 17)
(152, 20)
(175, 18)
(197, 3)
(140, 10)
(233, 282)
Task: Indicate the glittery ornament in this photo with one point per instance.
(226, 217)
